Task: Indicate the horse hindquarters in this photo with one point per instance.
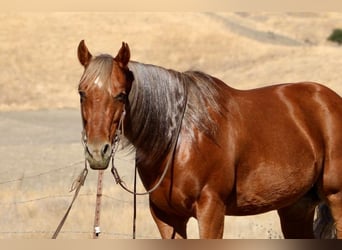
(322, 111)
(331, 180)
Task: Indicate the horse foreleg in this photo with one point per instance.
(210, 212)
(170, 226)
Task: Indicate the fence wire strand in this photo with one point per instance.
(46, 233)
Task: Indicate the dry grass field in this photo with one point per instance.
(38, 84)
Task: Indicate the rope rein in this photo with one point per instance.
(97, 229)
(76, 186)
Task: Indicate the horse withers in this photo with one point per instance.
(214, 150)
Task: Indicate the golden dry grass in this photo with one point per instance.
(40, 68)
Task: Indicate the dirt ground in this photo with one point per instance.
(40, 147)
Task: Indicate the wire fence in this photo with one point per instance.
(83, 234)
(35, 214)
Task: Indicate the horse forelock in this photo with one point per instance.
(98, 73)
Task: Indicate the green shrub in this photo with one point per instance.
(336, 36)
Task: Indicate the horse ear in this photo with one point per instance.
(123, 55)
(83, 53)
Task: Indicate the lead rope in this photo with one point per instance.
(76, 185)
(135, 202)
(97, 229)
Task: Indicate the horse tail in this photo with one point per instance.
(324, 225)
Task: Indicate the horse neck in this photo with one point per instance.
(155, 106)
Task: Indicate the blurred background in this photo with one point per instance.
(40, 149)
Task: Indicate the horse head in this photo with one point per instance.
(103, 90)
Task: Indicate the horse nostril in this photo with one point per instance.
(105, 150)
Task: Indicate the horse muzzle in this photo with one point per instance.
(98, 155)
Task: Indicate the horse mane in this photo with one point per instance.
(157, 100)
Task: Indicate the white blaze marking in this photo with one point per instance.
(98, 82)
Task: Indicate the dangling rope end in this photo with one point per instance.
(97, 231)
(80, 179)
(76, 186)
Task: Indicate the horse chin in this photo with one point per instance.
(98, 165)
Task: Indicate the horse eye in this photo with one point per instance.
(121, 97)
(82, 95)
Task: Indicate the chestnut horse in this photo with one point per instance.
(214, 150)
